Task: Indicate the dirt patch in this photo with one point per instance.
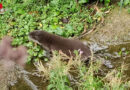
(116, 28)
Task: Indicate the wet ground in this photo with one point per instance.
(120, 55)
(33, 77)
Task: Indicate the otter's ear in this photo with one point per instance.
(21, 55)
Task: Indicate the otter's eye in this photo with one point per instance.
(36, 36)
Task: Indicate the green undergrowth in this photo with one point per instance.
(126, 4)
(75, 75)
(66, 18)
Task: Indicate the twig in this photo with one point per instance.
(85, 29)
(84, 34)
(97, 2)
(98, 10)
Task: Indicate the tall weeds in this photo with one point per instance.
(74, 74)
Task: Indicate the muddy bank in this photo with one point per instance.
(115, 30)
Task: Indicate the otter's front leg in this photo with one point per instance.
(48, 51)
(48, 54)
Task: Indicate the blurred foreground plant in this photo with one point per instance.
(74, 74)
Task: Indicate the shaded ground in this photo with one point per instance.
(116, 29)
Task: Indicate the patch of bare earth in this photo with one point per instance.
(116, 28)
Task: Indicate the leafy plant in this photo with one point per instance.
(61, 17)
(124, 3)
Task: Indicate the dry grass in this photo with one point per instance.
(58, 61)
(114, 79)
(57, 70)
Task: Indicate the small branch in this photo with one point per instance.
(84, 34)
(98, 10)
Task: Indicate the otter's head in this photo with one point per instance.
(36, 36)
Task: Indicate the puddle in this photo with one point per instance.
(35, 81)
(120, 54)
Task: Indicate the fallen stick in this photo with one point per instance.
(84, 34)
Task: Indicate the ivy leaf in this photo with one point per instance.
(83, 1)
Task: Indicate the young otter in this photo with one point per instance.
(53, 42)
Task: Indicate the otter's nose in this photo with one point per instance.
(31, 34)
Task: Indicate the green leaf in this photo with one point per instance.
(20, 11)
(50, 86)
(126, 2)
(83, 1)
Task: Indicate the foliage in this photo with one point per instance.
(124, 3)
(129, 10)
(106, 2)
(56, 72)
(62, 17)
(74, 74)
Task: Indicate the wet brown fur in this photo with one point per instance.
(53, 42)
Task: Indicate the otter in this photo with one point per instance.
(54, 42)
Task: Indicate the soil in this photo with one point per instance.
(116, 29)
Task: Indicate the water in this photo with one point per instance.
(120, 54)
(31, 81)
